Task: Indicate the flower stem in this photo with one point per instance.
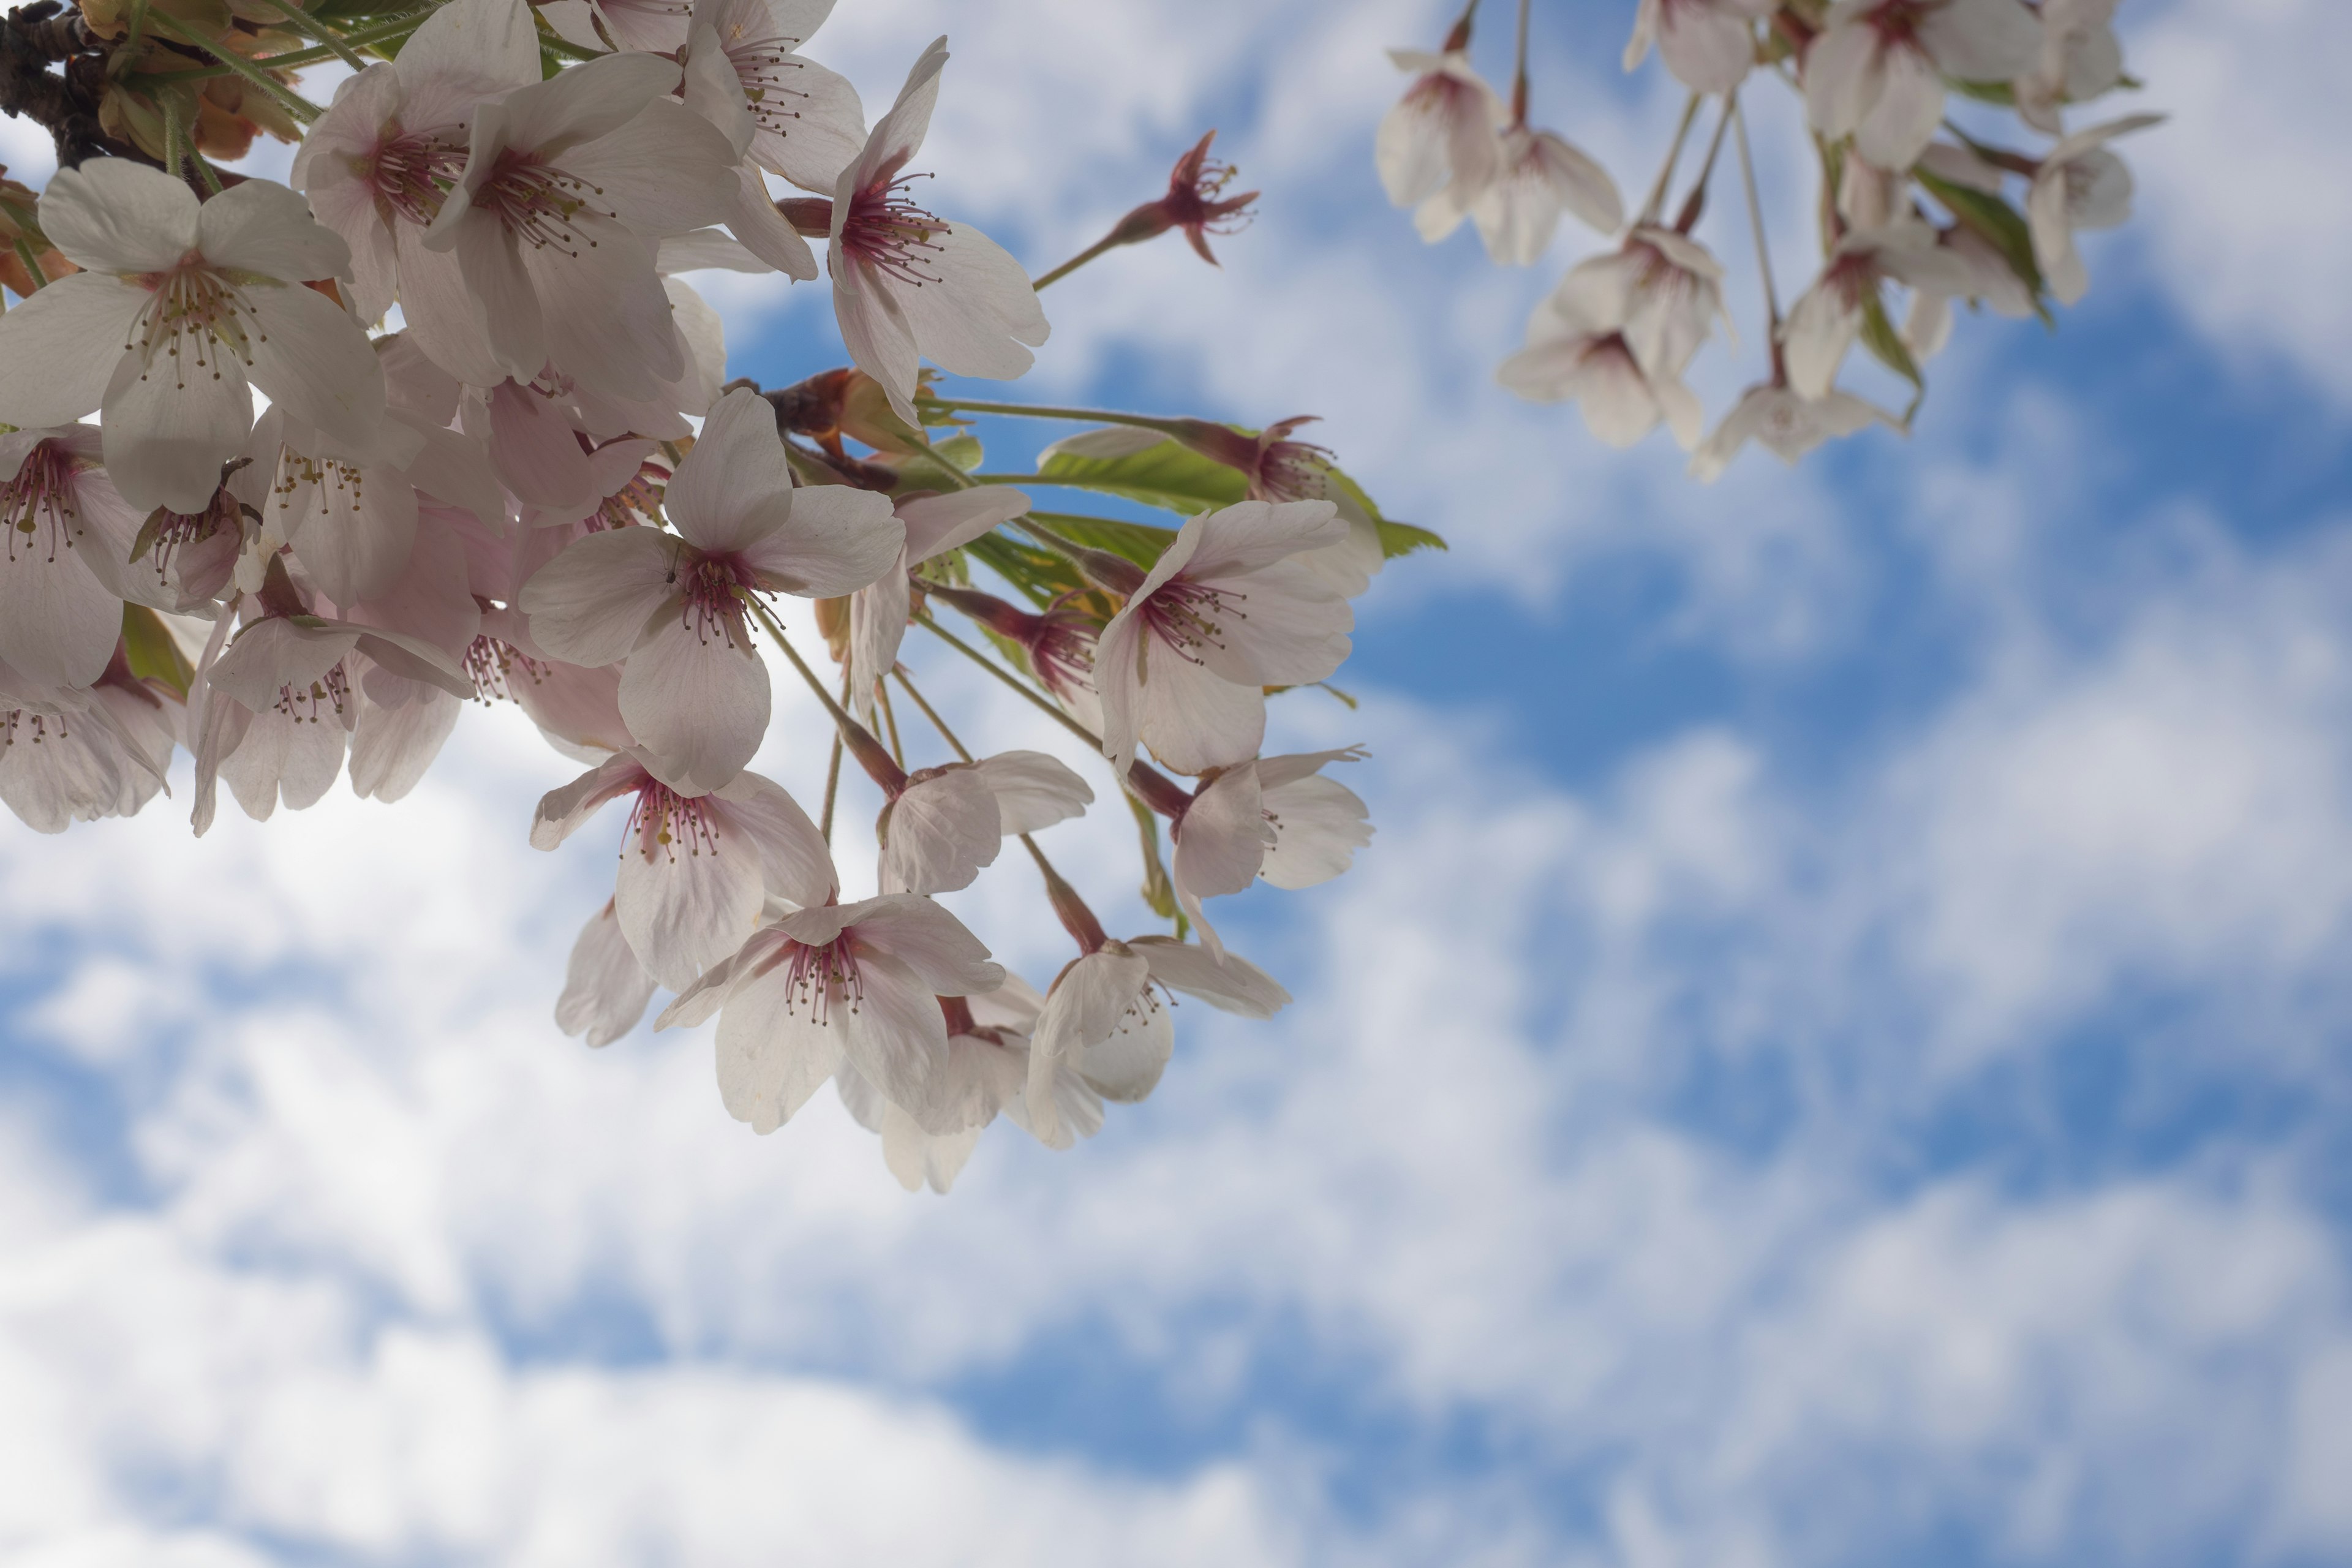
(133, 35)
(1043, 410)
(889, 718)
(293, 102)
(1695, 203)
(877, 763)
(1756, 223)
(40, 279)
(175, 139)
(1674, 156)
(302, 22)
(833, 774)
(923, 618)
(937, 723)
(1108, 242)
(1519, 78)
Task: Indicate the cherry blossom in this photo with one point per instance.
(100, 753)
(1783, 423)
(806, 122)
(1577, 350)
(178, 312)
(1877, 70)
(855, 983)
(907, 285)
(2079, 60)
(694, 691)
(64, 563)
(946, 823)
(605, 989)
(2081, 185)
(1708, 44)
(986, 1072)
(1224, 612)
(1276, 817)
(1440, 136)
(1825, 320)
(1538, 176)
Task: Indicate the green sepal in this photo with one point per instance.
(149, 650)
(1887, 345)
(962, 450)
(2001, 226)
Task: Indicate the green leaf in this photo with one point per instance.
(1140, 543)
(148, 646)
(1170, 475)
(2000, 224)
(1404, 538)
(1998, 92)
(1041, 576)
(962, 450)
(1879, 336)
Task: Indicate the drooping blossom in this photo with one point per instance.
(1195, 203)
(1224, 612)
(376, 167)
(1784, 424)
(675, 606)
(1103, 1017)
(1663, 289)
(934, 524)
(847, 982)
(2081, 184)
(986, 1072)
(696, 869)
(1538, 176)
(910, 286)
(64, 558)
(91, 754)
(1708, 44)
(2079, 60)
(945, 824)
(1828, 317)
(1876, 73)
(567, 185)
(180, 311)
(1276, 817)
(1057, 643)
(1579, 351)
(1440, 136)
(1993, 281)
(605, 989)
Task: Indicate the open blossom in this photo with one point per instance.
(1538, 176)
(567, 184)
(986, 1072)
(377, 165)
(1708, 44)
(1660, 288)
(934, 525)
(1440, 136)
(1784, 424)
(1104, 1017)
(675, 606)
(1876, 73)
(2079, 60)
(910, 286)
(179, 312)
(2080, 186)
(81, 757)
(855, 983)
(1827, 318)
(1579, 351)
(696, 869)
(946, 823)
(1276, 817)
(65, 555)
(806, 122)
(1224, 612)
(1993, 281)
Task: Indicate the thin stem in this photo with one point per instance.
(205, 171)
(175, 138)
(40, 279)
(882, 696)
(923, 618)
(1459, 39)
(303, 23)
(1674, 156)
(1695, 202)
(293, 102)
(841, 718)
(1041, 411)
(833, 774)
(1073, 263)
(1756, 223)
(937, 723)
(1520, 76)
(132, 36)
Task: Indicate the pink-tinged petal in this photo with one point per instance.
(874, 328)
(900, 132)
(489, 42)
(562, 810)
(317, 361)
(937, 948)
(605, 989)
(443, 314)
(427, 597)
(74, 329)
(351, 530)
(793, 858)
(697, 702)
(975, 318)
(276, 653)
(1084, 1006)
(666, 172)
(1821, 328)
(1194, 720)
(456, 469)
(578, 105)
(1223, 836)
(1903, 121)
(112, 214)
(895, 1034)
(1253, 535)
(284, 755)
(606, 315)
(57, 622)
(535, 453)
(594, 603)
(261, 227)
(690, 903)
(576, 704)
(824, 135)
(836, 541)
(413, 385)
(938, 833)
(877, 625)
(1982, 40)
(936, 525)
(1034, 791)
(505, 295)
(774, 1053)
(762, 230)
(736, 468)
(1125, 1065)
(711, 89)
(166, 438)
(1281, 626)
(1842, 73)
(1319, 824)
(1119, 670)
(1708, 50)
(393, 747)
(1231, 984)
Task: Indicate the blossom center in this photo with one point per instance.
(194, 317)
(493, 665)
(822, 975)
(886, 231)
(1189, 616)
(37, 499)
(302, 704)
(412, 174)
(542, 206)
(174, 531)
(763, 67)
(663, 819)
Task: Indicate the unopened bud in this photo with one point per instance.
(811, 216)
(833, 624)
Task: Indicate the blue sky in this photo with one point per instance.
(1835, 1055)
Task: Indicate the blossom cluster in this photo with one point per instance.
(1910, 201)
(498, 458)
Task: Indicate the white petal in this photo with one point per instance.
(74, 329)
(605, 989)
(690, 901)
(794, 860)
(939, 833)
(698, 702)
(772, 1053)
(736, 471)
(594, 603)
(1034, 791)
(116, 216)
(1232, 983)
(836, 541)
(393, 747)
(317, 361)
(935, 946)
(1223, 836)
(261, 227)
